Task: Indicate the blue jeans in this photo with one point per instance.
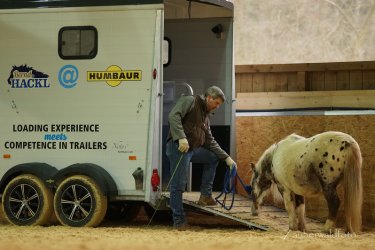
(179, 176)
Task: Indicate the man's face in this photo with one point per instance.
(213, 104)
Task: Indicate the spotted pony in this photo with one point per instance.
(303, 167)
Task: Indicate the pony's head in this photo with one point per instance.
(261, 179)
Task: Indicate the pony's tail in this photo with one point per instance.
(353, 189)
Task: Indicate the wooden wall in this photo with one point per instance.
(305, 77)
(343, 99)
(307, 86)
(255, 134)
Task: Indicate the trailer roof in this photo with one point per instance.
(18, 4)
(222, 3)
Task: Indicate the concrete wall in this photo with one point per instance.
(303, 31)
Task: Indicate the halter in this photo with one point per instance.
(230, 188)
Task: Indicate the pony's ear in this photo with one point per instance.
(252, 166)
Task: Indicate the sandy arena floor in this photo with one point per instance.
(208, 232)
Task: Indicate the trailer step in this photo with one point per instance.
(269, 218)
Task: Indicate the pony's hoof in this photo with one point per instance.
(329, 227)
(349, 231)
(329, 231)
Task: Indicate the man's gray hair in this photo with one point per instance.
(215, 92)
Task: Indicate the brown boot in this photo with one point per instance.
(205, 200)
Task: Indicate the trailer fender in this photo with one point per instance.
(102, 178)
(43, 171)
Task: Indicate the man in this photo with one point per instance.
(190, 139)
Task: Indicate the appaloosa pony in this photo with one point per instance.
(301, 167)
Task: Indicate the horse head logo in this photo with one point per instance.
(25, 71)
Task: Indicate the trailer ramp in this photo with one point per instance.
(269, 218)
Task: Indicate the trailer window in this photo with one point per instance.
(166, 51)
(78, 42)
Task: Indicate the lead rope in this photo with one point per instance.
(230, 187)
(170, 180)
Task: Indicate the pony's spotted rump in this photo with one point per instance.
(302, 167)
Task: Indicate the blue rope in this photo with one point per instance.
(230, 187)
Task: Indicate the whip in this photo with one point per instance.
(157, 207)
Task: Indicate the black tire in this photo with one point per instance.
(158, 216)
(27, 201)
(122, 211)
(79, 202)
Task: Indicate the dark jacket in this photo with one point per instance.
(190, 119)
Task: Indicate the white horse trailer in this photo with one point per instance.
(81, 100)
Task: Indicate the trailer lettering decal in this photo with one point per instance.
(30, 145)
(26, 77)
(122, 147)
(56, 128)
(114, 75)
(55, 136)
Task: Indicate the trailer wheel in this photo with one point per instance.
(27, 201)
(122, 211)
(79, 202)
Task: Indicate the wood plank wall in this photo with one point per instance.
(305, 77)
(344, 99)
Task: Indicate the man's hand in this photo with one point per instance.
(230, 163)
(183, 145)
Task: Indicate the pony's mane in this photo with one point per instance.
(268, 152)
(263, 168)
